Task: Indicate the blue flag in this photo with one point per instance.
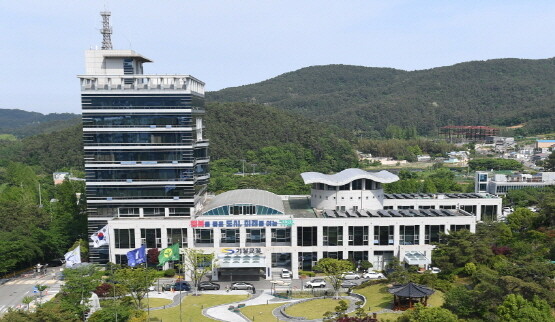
(136, 256)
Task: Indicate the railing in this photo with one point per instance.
(141, 83)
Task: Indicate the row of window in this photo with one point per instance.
(306, 236)
(110, 120)
(165, 191)
(247, 209)
(138, 137)
(137, 101)
(359, 184)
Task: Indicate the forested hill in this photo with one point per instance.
(501, 92)
(23, 123)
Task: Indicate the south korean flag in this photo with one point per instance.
(100, 238)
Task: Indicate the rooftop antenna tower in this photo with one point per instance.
(106, 30)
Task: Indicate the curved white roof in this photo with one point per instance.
(347, 176)
(246, 196)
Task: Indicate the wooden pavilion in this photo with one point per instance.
(406, 295)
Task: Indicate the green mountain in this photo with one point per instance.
(501, 92)
(23, 123)
(234, 129)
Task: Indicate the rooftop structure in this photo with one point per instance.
(466, 132)
(500, 184)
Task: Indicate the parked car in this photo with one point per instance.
(435, 270)
(242, 286)
(285, 273)
(373, 275)
(177, 286)
(317, 282)
(348, 284)
(208, 286)
(350, 276)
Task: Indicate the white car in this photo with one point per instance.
(317, 282)
(373, 275)
(285, 273)
(350, 276)
(435, 270)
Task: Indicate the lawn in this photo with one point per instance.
(260, 312)
(377, 297)
(307, 309)
(192, 307)
(156, 302)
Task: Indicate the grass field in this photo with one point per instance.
(377, 297)
(156, 302)
(261, 312)
(192, 307)
(314, 309)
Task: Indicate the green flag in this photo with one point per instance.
(169, 254)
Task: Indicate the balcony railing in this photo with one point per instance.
(141, 83)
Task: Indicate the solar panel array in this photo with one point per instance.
(432, 196)
(389, 213)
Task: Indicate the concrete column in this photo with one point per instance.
(268, 231)
(217, 234)
(396, 234)
(295, 264)
(319, 237)
(293, 236)
(422, 234)
(190, 237)
(242, 237)
(164, 237)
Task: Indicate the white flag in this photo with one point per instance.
(100, 238)
(73, 257)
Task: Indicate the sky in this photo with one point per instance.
(231, 43)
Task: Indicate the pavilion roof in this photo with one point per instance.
(411, 290)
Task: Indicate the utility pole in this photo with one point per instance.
(243, 167)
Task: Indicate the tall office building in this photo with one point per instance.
(145, 152)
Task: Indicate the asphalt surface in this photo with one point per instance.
(13, 290)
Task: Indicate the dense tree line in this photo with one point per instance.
(494, 164)
(367, 100)
(440, 180)
(38, 221)
(23, 123)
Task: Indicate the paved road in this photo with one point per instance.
(13, 291)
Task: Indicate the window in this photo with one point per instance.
(154, 212)
(204, 236)
(383, 235)
(229, 236)
(426, 207)
(281, 260)
(128, 212)
(281, 235)
(359, 256)
(307, 260)
(459, 227)
(432, 233)
(387, 207)
(177, 236)
(121, 259)
(333, 236)
(256, 235)
(357, 184)
(368, 185)
(183, 212)
(469, 208)
(489, 213)
(306, 236)
(124, 238)
(409, 235)
(345, 187)
(405, 207)
(358, 235)
(152, 238)
(335, 255)
(448, 207)
(242, 210)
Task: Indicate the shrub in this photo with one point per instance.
(307, 273)
(170, 272)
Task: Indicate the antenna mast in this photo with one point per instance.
(106, 30)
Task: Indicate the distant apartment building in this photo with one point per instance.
(500, 184)
(544, 145)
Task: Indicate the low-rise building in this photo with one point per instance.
(256, 233)
(500, 184)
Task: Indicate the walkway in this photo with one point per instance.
(221, 312)
(277, 311)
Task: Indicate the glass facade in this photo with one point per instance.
(358, 235)
(409, 235)
(383, 235)
(307, 236)
(433, 233)
(333, 236)
(124, 238)
(177, 236)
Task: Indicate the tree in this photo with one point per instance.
(136, 281)
(522, 219)
(333, 269)
(79, 282)
(428, 314)
(549, 163)
(27, 301)
(516, 308)
(463, 302)
(398, 273)
(196, 265)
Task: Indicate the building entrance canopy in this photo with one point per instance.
(241, 260)
(416, 258)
